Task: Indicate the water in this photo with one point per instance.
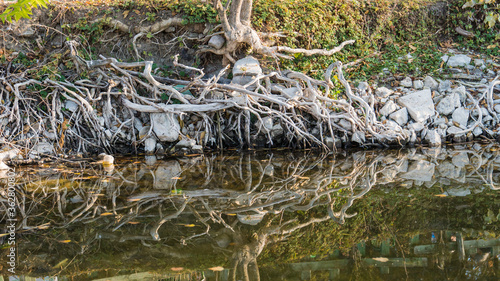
(418, 214)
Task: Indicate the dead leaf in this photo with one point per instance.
(217, 268)
(440, 195)
(133, 222)
(176, 178)
(106, 214)
(381, 259)
(177, 268)
(125, 14)
(64, 241)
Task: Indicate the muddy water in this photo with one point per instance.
(417, 214)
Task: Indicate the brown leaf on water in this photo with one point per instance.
(177, 268)
(64, 241)
(440, 195)
(217, 268)
(381, 259)
(106, 214)
(133, 222)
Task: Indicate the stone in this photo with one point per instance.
(332, 143)
(477, 131)
(407, 83)
(388, 108)
(364, 87)
(150, 160)
(143, 132)
(383, 92)
(71, 105)
(419, 105)
(138, 124)
(108, 160)
(453, 130)
(448, 170)
(478, 62)
(444, 86)
(430, 83)
(8, 153)
(418, 84)
(461, 116)
(458, 191)
(420, 170)
(197, 148)
(291, 93)
(462, 92)
(265, 124)
(217, 42)
(248, 66)
(457, 60)
(43, 148)
(277, 131)
(400, 116)
(359, 137)
(150, 145)
(185, 143)
(416, 126)
(433, 138)
(345, 124)
(251, 219)
(497, 108)
(448, 104)
(165, 126)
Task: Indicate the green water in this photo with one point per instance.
(417, 214)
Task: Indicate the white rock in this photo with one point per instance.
(461, 116)
(448, 170)
(108, 160)
(345, 124)
(138, 124)
(248, 66)
(453, 130)
(416, 126)
(448, 104)
(458, 191)
(383, 92)
(400, 116)
(70, 105)
(462, 93)
(277, 130)
(166, 126)
(358, 137)
(458, 60)
(418, 84)
(420, 170)
(478, 62)
(251, 219)
(150, 145)
(265, 125)
(43, 148)
(364, 87)
(497, 108)
(407, 83)
(8, 153)
(333, 143)
(389, 107)
(430, 83)
(444, 86)
(291, 93)
(419, 105)
(185, 143)
(433, 138)
(217, 41)
(150, 160)
(477, 131)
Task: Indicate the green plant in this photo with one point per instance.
(150, 16)
(21, 9)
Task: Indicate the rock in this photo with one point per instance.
(418, 84)
(197, 149)
(248, 66)
(456, 60)
(265, 124)
(383, 92)
(276, 131)
(448, 104)
(388, 108)
(43, 148)
(458, 191)
(420, 170)
(497, 108)
(400, 116)
(138, 124)
(345, 124)
(150, 160)
(477, 131)
(185, 143)
(166, 126)
(291, 93)
(217, 42)
(333, 143)
(478, 62)
(108, 160)
(416, 126)
(71, 105)
(419, 105)
(358, 137)
(407, 83)
(252, 219)
(3, 166)
(444, 86)
(448, 170)
(433, 138)
(144, 131)
(462, 93)
(150, 145)
(461, 116)
(364, 87)
(430, 83)
(453, 130)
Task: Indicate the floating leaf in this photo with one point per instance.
(64, 241)
(177, 268)
(106, 214)
(133, 222)
(381, 259)
(217, 268)
(440, 195)
(176, 178)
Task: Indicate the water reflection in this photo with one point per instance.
(264, 215)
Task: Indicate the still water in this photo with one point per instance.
(415, 214)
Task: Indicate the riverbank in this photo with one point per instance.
(82, 79)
